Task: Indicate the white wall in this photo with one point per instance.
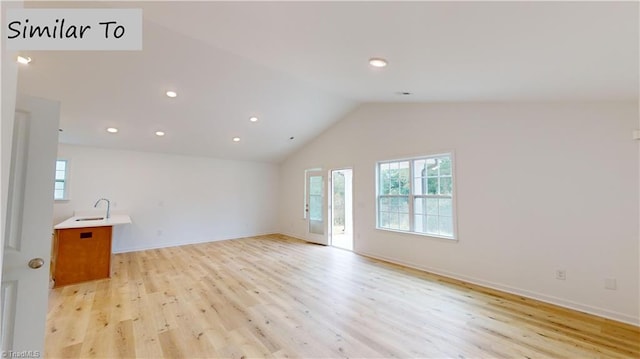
(539, 187)
(172, 199)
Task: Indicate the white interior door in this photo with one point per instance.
(316, 208)
(28, 226)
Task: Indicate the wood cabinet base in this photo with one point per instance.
(81, 254)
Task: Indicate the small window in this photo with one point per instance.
(416, 195)
(61, 182)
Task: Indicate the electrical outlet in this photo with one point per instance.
(561, 274)
(610, 283)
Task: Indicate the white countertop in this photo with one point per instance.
(73, 222)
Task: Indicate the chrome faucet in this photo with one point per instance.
(108, 206)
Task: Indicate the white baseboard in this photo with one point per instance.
(177, 244)
(294, 236)
(605, 313)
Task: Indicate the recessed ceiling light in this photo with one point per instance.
(253, 119)
(112, 130)
(24, 59)
(171, 93)
(160, 133)
(377, 62)
(236, 139)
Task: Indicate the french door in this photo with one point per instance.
(316, 208)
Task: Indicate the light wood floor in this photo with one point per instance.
(278, 297)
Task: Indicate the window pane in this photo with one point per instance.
(61, 165)
(420, 168)
(394, 182)
(393, 204)
(446, 226)
(432, 206)
(58, 194)
(315, 185)
(403, 204)
(393, 178)
(60, 177)
(419, 173)
(403, 177)
(384, 183)
(445, 185)
(432, 167)
(432, 185)
(445, 207)
(394, 221)
(419, 186)
(420, 206)
(384, 204)
(445, 166)
(420, 223)
(315, 208)
(384, 220)
(384, 178)
(404, 221)
(432, 225)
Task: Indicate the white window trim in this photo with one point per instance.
(66, 181)
(411, 196)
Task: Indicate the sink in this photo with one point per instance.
(86, 220)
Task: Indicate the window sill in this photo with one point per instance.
(434, 236)
(62, 200)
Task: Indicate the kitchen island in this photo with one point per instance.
(81, 248)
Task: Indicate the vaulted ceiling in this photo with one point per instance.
(302, 66)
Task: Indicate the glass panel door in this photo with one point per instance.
(316, 207)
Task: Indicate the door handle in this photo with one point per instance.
(36, 263)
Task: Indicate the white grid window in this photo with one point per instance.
(61, 184)
(416, 195)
